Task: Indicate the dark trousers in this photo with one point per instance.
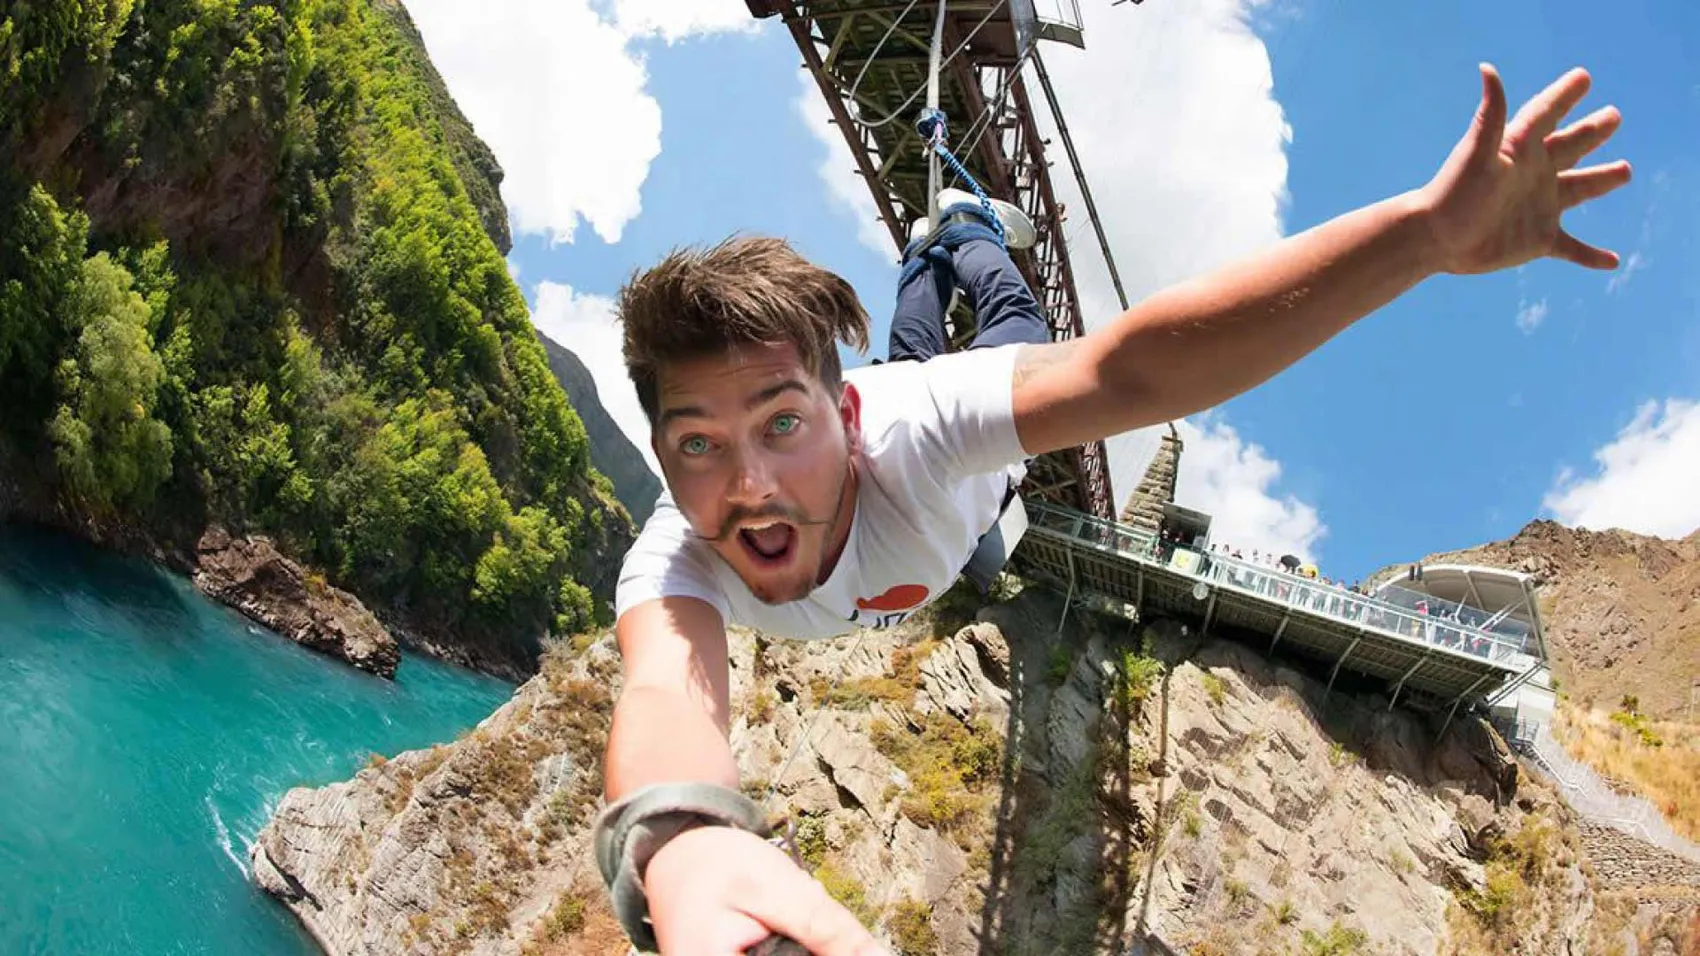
(964, 254)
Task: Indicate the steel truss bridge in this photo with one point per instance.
(872, 60)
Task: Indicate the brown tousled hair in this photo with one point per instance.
(744, 291)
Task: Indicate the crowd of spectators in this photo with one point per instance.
(1288, 579)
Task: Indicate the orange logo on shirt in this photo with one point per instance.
(901, 597)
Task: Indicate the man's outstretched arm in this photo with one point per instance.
(713, 889)
(1496, 203)
(672, 717)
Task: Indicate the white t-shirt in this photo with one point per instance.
(940, 453)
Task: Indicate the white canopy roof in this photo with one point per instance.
(1503, 594)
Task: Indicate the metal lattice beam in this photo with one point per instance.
(841, 44)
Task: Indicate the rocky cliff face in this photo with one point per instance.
(1622, 610)
(250, 575)
(986, 786)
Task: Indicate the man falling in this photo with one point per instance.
(806, 501)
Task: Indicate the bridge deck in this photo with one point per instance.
(1437, 660)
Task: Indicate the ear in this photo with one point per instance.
(850, 415)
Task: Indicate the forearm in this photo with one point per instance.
(661, 736)
(1204, 341)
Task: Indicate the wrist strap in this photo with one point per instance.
(630, 831)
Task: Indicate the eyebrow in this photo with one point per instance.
(755, 401)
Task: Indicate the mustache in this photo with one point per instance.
(797, 519)
(740, 516)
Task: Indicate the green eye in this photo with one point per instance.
(786, 424)
(695, 445)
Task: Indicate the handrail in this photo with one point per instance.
(1329, 601)
(1597, 801)
(1516, 684)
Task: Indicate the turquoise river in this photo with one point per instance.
(145, 735)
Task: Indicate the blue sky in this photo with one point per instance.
(1452, 417)
(1439, 421)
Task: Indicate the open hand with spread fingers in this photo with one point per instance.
(1498, 200)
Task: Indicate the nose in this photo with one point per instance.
(753, 479)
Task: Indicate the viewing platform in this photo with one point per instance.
(1426, 659)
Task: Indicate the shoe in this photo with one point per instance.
(1018, 230)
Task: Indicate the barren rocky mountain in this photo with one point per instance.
(986, 786)
(1622, 610)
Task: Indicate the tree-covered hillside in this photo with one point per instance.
(243, 279)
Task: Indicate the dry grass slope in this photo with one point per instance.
(1659, 760)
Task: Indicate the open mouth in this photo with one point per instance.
(769, 544)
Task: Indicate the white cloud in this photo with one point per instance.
(1174, 116)
(1635, 263)
(1645, 477)
(560, 95)
(837, 169)
(675, 20)
(1235, 481)
(586, 324)
(1173, 113)
(1530, 315)
(554, 90)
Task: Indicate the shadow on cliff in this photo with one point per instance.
(1069, 835)
(83, 581)
(1089, 798)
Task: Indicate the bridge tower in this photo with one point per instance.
(872, 60)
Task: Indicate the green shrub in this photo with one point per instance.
(949, 766)
(1337, 941)
(911, 927)
(1139, 676)
(1215, 687)
(859, 693)
(1515, 865)
(1060, 662)
(567, 917)
(846, 889)
(1637, 724)
(811, 841)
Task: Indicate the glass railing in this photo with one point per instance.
(1353, 608)
(1505, 628)
(1084, 527)
(1284, 587)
